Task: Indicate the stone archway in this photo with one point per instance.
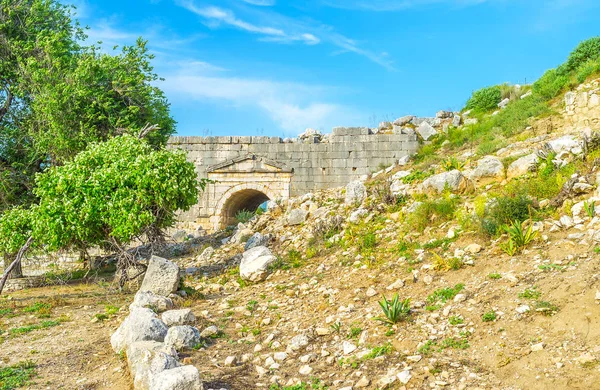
(247, 196)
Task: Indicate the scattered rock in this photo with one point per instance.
(257, 239)
(297, 216)
(426, 131)
(180, 378)
(453, 180)
(182, 337)
(356, 192)
(140, 325)
(178, 317)
(255, 263)
(150, 300)
(162, 277)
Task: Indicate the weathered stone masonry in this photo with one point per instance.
(249, 170)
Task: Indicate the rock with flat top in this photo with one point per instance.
(180, 378)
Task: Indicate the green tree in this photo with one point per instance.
(112, 193)
(57, 96)
(15, 229)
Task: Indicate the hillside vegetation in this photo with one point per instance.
(473, 266)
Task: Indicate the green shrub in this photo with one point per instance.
(504, 210)
(585, 51)
(550, 84)
(586, 70)
(485, 99)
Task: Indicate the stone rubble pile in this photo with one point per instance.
(151, 343)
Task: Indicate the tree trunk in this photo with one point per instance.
(17, 271)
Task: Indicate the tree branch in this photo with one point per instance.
(7, 103)
(7, 271)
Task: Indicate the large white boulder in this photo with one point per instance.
(255, 263)
(452, 180)
(162, 277)
(356, 192)
(147, 358)
(522, 165)
(488, 166)
(140, 325)
(182, 337)
(180, 378)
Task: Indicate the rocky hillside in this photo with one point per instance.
(494, 260)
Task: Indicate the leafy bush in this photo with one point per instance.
(485, 99)
(504, 210)
(585, 51)
(550, 84)
(394, 310)
(114, 190)
(446, 264)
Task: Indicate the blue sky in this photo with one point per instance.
(276, 67)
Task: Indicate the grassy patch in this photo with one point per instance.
(16, 376)
(445, 294)
(31, 328)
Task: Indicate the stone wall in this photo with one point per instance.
(286, 168)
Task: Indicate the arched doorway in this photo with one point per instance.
(246, 199)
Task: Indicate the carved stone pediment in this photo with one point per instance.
(249, 163)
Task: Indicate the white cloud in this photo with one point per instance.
(262, 3)
(288, 30)
(292, 106)
(229, 18)
(394, 5)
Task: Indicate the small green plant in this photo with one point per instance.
(452, 163)
(446, 264)
(244, 216)
(395, 310)
(455, 320)
(336, 327)
(251, 306)
(18, 375)
(518, 237)
(355, 331)
(509, 247)
(378, 351)
(489, 316)
(494, 276)
(590, 208)
(445, 294)
(369, 241)
(546, 308)
(530, 293)
(111, 309)
(30, 328)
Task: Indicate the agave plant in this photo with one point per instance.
(395, 310)
(518, 237)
